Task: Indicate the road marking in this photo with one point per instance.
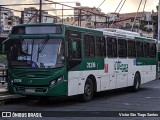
(152, 97)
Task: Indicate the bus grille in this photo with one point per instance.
(33, 74)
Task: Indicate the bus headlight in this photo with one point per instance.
(11, 81)
(54, 82)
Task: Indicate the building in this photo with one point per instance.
(89, 16)
(31, 15)
(73, 21)
(8, 20)
(143, 23)
(47, 18)
(9, 23)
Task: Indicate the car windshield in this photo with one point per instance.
(36, 53)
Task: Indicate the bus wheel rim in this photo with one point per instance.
(88, 90)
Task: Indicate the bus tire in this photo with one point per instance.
(137, 83)
(88, 91)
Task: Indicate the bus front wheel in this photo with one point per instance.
(137, 83)
(88, 91)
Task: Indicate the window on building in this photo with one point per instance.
(122, 48)
(89, 45)
(131, 49)
(111, 47)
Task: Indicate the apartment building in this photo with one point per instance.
(143, 23)
(31, 15)
(89, 16)
(8, 20)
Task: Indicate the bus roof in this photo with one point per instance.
(102, 31)
(124, 33)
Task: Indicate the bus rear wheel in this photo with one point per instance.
(137, 83)
(88, 91)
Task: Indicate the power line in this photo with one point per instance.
(121, 6)
(26, 4)
(101, 4)
(143, 11)
(118, 5)
(119, 10)
(144, 5)
(104, 15)
(136, 15)
(115, 11)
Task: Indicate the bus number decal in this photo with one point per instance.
(91, 65)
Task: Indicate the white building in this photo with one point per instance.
(90, 16)
(31, 15)
(47, 18)
(8, 20)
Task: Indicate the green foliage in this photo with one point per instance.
(3, 58)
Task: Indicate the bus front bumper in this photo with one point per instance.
(57, 90)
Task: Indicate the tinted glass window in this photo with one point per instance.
(146, 49)
(122, 48)
(131, 49)
(100, 46)
(89, 45)
(111, 47)
(152, 50)
(139, 49)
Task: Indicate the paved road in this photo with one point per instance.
(147, 99)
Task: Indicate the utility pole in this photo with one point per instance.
(22, 17)
(158, 22)
(40, 11)
(0, 21)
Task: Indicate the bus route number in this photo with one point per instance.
(91, 65)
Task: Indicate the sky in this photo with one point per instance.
(107, 7)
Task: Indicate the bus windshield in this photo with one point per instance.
(36, 53)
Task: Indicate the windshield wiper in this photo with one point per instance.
(41, 47)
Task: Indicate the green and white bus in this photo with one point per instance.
(64, 60)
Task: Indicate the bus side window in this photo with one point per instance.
(122, 48)
(111, 47)
(100, 46)
(152, 50)
(74, 44)
(139, 49)
(146, 49)
(131, 49)
(74, 48)
(89, 45)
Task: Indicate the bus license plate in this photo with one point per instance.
(30, 90)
